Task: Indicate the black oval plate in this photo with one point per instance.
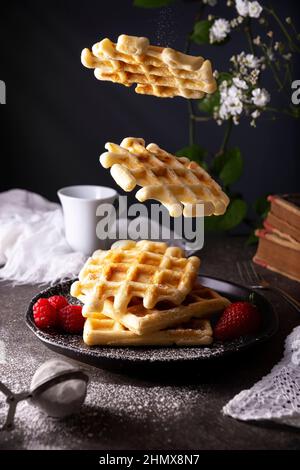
(122, 357)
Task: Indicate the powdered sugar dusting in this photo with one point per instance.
(108, 405)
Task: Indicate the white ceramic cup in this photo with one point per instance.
(80, 205)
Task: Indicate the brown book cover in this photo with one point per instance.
(287, 208)
(278, 254)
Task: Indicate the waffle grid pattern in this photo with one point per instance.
(149, 270)
(158, 71)
(202, 302)
(178, 183)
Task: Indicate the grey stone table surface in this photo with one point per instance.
(160, 411)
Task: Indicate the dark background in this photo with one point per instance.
(58, 116)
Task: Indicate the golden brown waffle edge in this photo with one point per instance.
(180, 184)
(201, 302)
(158, 71)
(105, 331)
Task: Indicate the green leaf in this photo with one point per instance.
(225, 164)
(210, 102)
(193, 152)
(233, 167)
(200, 34)
(224, 76)
(211, 223)
(234, 215)
(152, 3)
(261, 206)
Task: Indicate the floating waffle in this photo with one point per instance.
(201, 302)
(105, 331)
(149, 270)
(158, 71)
(177, 182)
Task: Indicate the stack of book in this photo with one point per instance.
(279, 240)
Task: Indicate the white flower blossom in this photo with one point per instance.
(246, 60)
(255, 114)
(246, 8)
(242, 7)
(278, 46)
(255, 9)
(231, 101)
(219, 30)
(252, 61)
(260, 97)
(239, 83)
(253, 77)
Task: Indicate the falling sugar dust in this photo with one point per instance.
(165, 32)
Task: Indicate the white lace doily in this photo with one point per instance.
(276, 396)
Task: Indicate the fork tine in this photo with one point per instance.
(257, 276)
(241, 272)
(247, 271)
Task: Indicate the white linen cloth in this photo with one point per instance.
(33, 248)
(276, 397)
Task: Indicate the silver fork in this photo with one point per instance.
(253, 279)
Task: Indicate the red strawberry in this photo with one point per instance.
(70, 319)
(238, 319)
(44, 314)
(58, 301)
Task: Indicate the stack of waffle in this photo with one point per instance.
(145, 293)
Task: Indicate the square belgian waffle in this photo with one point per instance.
(149, 270)
(201, 302)
(105, 331)
(158, 71)
(177, 182)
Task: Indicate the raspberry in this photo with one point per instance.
(58, 301)
(70, 319)
(44, 314)
(238, 319)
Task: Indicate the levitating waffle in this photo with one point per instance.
(202, 302)
(105, 331)
(178, 183)
(158, 71)
(145, 269)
